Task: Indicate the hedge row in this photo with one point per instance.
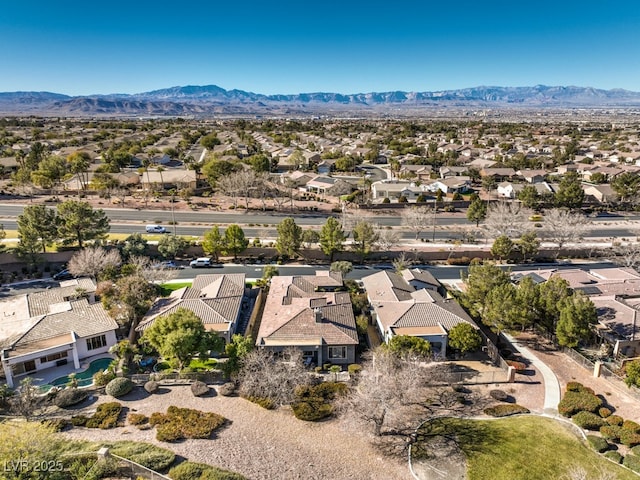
(574, 402)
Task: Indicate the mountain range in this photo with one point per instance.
(211, 100)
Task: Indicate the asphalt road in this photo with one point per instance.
(262, 225)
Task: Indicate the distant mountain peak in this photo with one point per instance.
(203, 100)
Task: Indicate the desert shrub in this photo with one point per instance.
(578, 387)
(574, 402)
(58, 424)
(386, 200)
(70, 396)
(180, 423)
(311, 411)
(102, 378)
(106, 416)
(599, 444)
(615, 420)
(200, 471)
(631, 426)
(326, 366)
(613, 456)
(629, 438)
(147, 455)
(588, 420)
(611, 432)
(264, 402)
(499, 395)
(354, 369)
(313, 402)
(199, 388)
(505, 410)
(119, 386)
(227, 389)
(79, 420)
(632, 462)
(604, 412)
(151, 386)
(137, 419)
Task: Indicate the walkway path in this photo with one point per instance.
(551, 384)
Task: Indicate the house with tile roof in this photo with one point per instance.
(216, 299)
(312, 313)
(51, 328)
(411, 304)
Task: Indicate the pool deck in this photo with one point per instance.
(46, 376)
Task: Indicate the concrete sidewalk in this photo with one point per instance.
(551, 384)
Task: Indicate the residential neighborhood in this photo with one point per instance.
(321, 276)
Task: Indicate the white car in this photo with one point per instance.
(203, 262)
(155, 229)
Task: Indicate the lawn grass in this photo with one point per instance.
(525, 447)
(167, 288)
(199, 364)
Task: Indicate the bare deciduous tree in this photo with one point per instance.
(386, 238)
(510, 219)
(153, 273)
(394, 396)
(93, 260)
(265, 375)
(417, 219)
(563, 226)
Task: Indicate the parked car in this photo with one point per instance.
(168, 265)
(63, 275)
(203, 262)
(155, 229)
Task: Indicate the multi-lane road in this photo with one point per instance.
(263, 225)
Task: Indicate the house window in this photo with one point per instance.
(336, 353)
(96, 342)
(53, 357)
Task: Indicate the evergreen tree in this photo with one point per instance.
(234, 240)
(78, 222)
(332, 238)
(289, 237)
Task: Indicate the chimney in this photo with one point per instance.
(318, 312)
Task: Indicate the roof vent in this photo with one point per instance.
(318, 313)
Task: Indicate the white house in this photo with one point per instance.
(51, 328)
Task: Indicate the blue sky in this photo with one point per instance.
(81, 48)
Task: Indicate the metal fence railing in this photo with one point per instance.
(136, 470)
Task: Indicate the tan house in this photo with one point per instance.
(51, 328)
(409, 304)
(216, 299)
(310, 312)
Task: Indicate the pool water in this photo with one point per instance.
(85, 378)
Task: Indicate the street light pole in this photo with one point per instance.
(435, 210)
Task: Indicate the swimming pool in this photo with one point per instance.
(85, 378)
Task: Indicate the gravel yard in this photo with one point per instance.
(258, 443)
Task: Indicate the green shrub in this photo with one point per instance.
(326, 366)
(180, 423)
(632, 462)
(150, 456)
(629, 438)
(106, 416)
(262, 401)
(578, 387)
(631, 426)
(58, 424)
(312, 410)
(611, 432)
(613, 456)
(354, 369)
(79, 420)
(137, 419)
(636, 450)
(505, 410)
(200, 471)
(615, 420)
(574, 402)
(604, 412)
(119, 387)
(588, 420)
(386, 200)
(102, 378)
(70, 396)
(599, 444)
